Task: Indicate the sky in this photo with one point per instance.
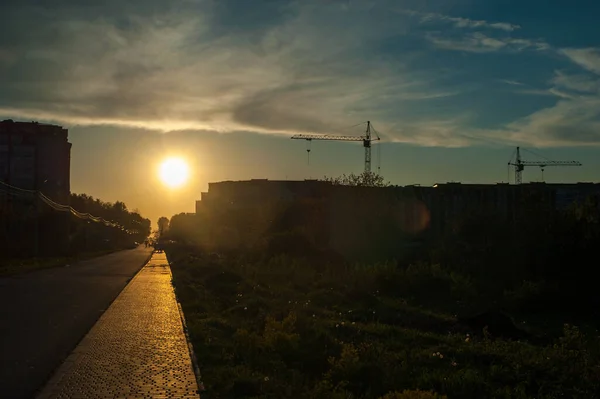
(450, 86)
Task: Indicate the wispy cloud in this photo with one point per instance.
(535, 92)
(458, 22)
(573, 120)
(478, 42)
(447, 132)
(512, 82)
(172, 71)
(569, 122)
(579, 82)
(297, 67)
(588, 58)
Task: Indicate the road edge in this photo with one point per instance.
(53, 378)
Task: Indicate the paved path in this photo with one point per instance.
(44, 315)
(136, 350)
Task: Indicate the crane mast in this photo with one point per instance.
(520, 164)
(367, 139)
(367, 145)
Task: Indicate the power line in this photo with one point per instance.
(59, 207)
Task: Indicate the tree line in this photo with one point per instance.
(30, 228)
(92, 236)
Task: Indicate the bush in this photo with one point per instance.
(284, 326)
(416, 394)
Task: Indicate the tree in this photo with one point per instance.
(365, 179)
(183, 227)
(163, 225)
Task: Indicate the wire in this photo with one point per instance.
(379, 158)
(537, 155)
(375, 131)
(17, 191)
(512, 156)
(378, 149)
(348, 127)
(16, 188)
(22, 194)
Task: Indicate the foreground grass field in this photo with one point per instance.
(286, 327)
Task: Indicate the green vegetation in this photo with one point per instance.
(163, 225)
(365, 179)
(284, 316)
(96, 236)
(285, 326)
(36, 238)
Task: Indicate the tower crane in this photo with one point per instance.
(366, 140)
(520, 164)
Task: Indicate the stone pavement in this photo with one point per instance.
(137, 349)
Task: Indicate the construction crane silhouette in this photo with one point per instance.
(367, 139)
(519, 164)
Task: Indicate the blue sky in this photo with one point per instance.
(451, 86)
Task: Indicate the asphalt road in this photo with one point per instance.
(44, 315)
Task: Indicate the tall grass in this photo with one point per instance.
(287, 326)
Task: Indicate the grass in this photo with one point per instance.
(273, 327)
(11, 267)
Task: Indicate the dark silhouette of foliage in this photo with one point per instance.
(335, 328)
(87, 235)
(365, 179)
(163, 225)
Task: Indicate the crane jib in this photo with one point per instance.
(520, 164)
(366, 140)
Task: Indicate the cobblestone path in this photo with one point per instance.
(137, 349)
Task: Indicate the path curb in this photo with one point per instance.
(191, 350)
(193, 357)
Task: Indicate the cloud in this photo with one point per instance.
(512, 82)
(175, 68)
(588, 58)
(458, 22)
(573, 120)
(295, 66)
(569, 122)
(578, 83)
(447, 132)
(477, 42)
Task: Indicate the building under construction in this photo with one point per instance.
(356, 220)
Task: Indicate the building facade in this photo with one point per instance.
(390, 220)
(34, 156)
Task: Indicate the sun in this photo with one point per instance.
(174, 172)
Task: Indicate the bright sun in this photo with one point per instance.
(174, 172)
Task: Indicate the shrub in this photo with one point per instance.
(413, 394)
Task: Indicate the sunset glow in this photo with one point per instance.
(174, 172)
